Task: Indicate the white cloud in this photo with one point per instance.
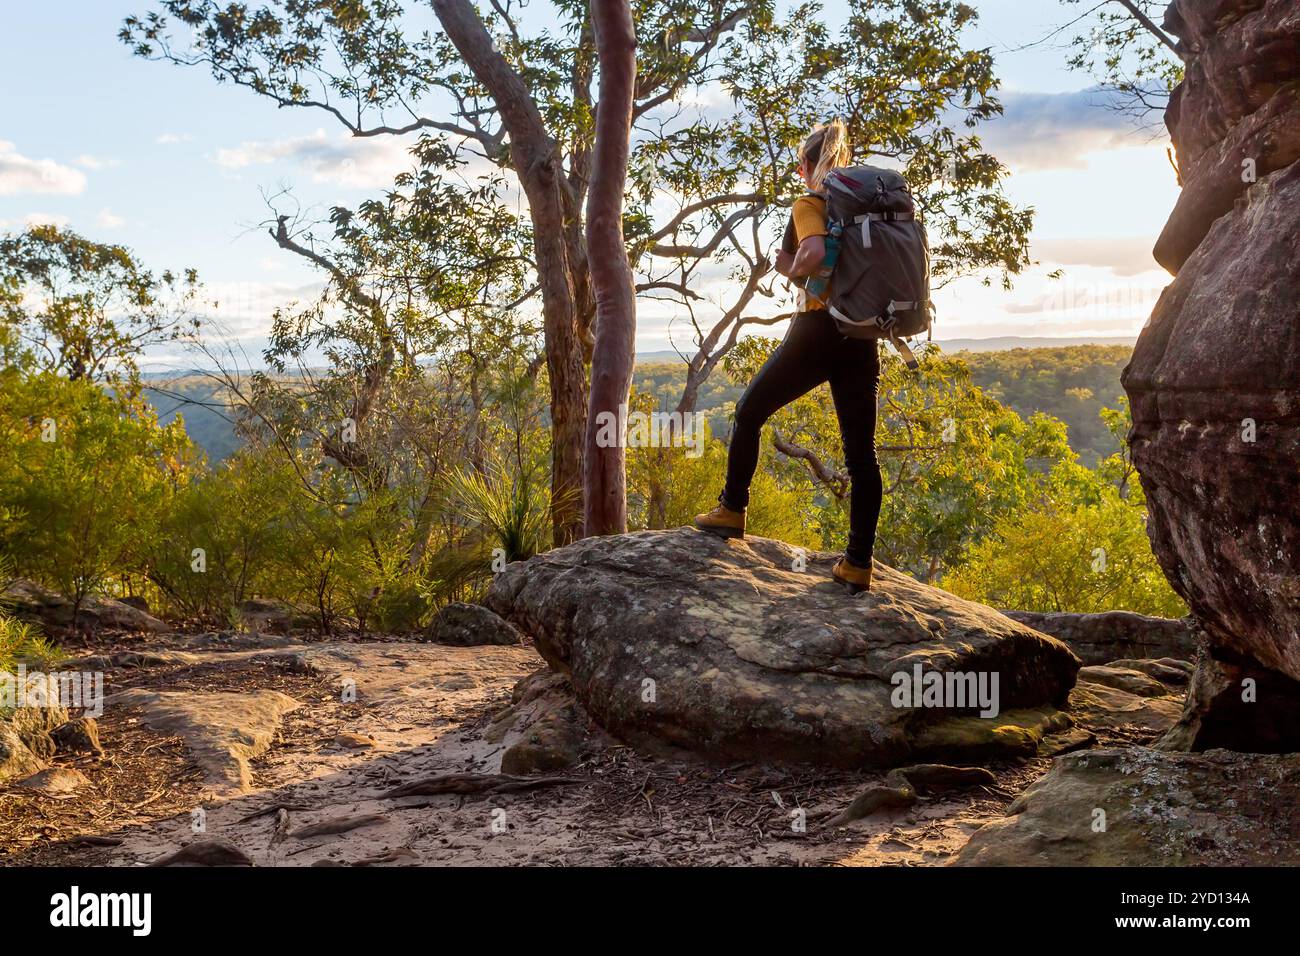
(342, 160)
(87, 161)
(1040, 131)
(170, 139)
(36, 219)
(1087, 300)
(19, 174)
(108, 220)
(1123, 255)
(242, 310)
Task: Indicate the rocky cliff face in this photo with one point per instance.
(1215, 376)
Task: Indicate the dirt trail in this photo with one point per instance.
(370, 717)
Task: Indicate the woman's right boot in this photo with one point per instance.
(723, 522)
(854, 578)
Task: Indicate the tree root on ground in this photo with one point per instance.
(206, 853)
(476, 784)
(903, 784)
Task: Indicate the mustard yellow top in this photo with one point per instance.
(809, 215)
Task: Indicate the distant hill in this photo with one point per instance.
(996, 344)
(1005, 343)
(199, 400)
(1069, 379)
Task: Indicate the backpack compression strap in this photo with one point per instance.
(905, 352)
(869, 217)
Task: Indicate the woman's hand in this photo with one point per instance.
(784, 262)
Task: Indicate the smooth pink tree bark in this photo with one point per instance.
(605, 470)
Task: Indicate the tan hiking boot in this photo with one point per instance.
(723, 522)
(855, 579)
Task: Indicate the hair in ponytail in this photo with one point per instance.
(826, 148)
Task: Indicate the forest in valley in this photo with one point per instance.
(423, 419)
(1073, 383)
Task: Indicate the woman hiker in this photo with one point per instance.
(813, 352)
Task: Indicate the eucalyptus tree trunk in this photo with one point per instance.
(605, 484)
(536, 159)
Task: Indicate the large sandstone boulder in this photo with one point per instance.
(1141, 807)
(1237, 102)
(1215, 376)
(747, 650)
(26, 741)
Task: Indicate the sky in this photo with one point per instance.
(177, 167)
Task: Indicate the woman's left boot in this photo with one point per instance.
(855, 579)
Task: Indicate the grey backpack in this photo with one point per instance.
(880, 285)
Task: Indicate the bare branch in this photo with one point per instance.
(687, 211)
(1150, 26)
(700, 252)
(837, 482)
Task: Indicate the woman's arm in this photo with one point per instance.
(809, 257)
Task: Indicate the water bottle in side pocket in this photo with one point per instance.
(819, 282)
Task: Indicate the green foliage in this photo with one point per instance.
(954, 460)
(85, 478)
(982, 501)
(1072, 383)
(512, 511)
(231, 523)
(330, 560)
(21, 642)
(1062, 554)
(370, 530)
(251, 528)
(1079, 545)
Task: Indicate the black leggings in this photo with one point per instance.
(813, 352)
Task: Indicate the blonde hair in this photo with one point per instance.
(826, 148)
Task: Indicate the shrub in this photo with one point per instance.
(85, 477)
